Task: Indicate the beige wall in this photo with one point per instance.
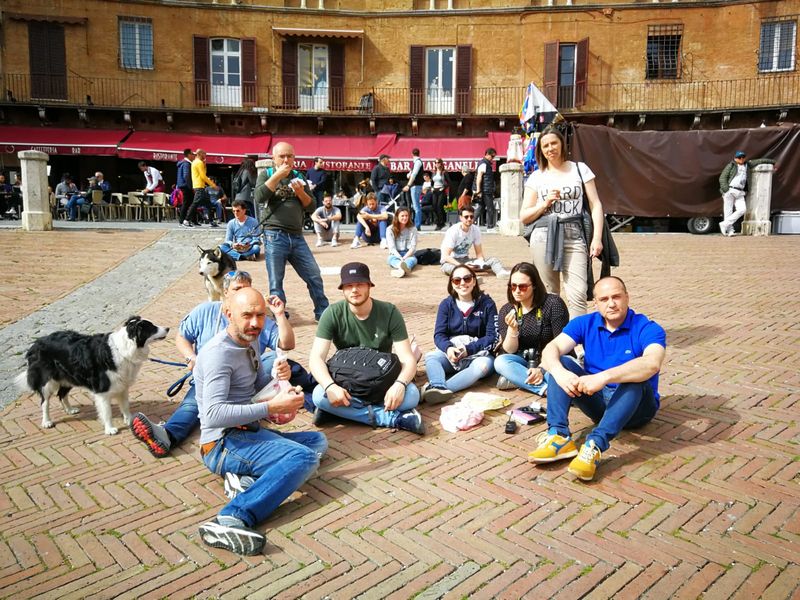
(720, 41)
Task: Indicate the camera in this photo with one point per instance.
(533, 356)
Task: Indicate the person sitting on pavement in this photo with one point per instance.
(528, 322)
(618, 386)
(204, 322)
(465, 336)
(228, 374)
(733, 183)
(361, 321)
(241, 234)
(327, 219)
(401, 239)
(459, 238)
(371, 225)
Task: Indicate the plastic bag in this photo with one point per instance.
(272, 389)
(459, 417)
(483, 401)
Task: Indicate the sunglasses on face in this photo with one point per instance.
(522, 287)
(465, 279)
(251, 354)
(468, 217)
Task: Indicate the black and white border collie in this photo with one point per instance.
(106, 364)
(214, 264)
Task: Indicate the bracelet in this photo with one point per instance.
(403, 383)
(329, 385)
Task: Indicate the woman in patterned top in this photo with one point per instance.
(529, 320)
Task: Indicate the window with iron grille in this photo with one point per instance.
(777, 48)
(664, 51)
(135, 43)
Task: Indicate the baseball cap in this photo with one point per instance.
(739, 154)
(355, 272)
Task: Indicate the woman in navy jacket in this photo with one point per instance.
(465, 335)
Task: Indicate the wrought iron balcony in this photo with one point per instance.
(138, 94)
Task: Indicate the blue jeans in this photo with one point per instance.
(370, 414)
(281, 247)
(438, 367)
(416, 192)
(515, 368)
(280, 462)
(186, 418)
(74, 204)
(626, 406)
(236, 255)
(394, 261)
(375, 235)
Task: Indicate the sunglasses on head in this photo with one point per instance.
(234, 274)
(522, 287)
(465, 279)
(254, 360)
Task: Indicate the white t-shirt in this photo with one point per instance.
(460, 241)
(740, 178)
(569, 184)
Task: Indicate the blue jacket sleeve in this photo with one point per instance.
(488, 339)
(441, 333)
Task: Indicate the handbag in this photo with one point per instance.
(366, 373)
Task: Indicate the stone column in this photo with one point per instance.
(510, 199)
(36, 215)
(759, 199)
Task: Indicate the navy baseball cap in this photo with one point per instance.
(739, 154)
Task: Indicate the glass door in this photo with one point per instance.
(226, 72)
(440, 81)
(312, 77)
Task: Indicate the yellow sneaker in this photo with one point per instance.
(552, 447)
(584, 465)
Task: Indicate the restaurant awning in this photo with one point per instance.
(61, 141)
(456, 152)
(220, 149)
(340, 153)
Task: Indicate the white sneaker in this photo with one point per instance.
(503, 273)
(406, 269)
(384, 245)
(334, 243)
(722, 229)
(356, 243)
(319, 242)
(397, 273)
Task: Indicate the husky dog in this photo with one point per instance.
(213, 265)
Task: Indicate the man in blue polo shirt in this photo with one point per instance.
(617, 389)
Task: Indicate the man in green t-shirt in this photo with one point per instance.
(284, 196)
(361, 321)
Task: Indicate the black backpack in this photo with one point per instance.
(366, 373)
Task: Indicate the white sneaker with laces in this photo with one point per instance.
(319, 242)
(356, 243)
(334, 243)
(397, 273)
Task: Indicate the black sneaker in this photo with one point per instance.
(410, 421)
(214, 225)
(153, 436)
(239, 540)
(437, 395)
(321, 417)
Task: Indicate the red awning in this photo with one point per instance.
(61, 141)
(220, 149)
(340, 153)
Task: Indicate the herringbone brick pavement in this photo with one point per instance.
(703, 502)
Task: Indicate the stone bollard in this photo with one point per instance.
(759, 199)
(36, 215)
(510, 199)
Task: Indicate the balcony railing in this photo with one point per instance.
(657, 96)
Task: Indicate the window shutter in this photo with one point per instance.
(202, 89)
(289, 74)
(336, 76)
(463, 79)
(581, 71)
(551, 72)
(249, 90)
(48, 60)
(416, 81)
